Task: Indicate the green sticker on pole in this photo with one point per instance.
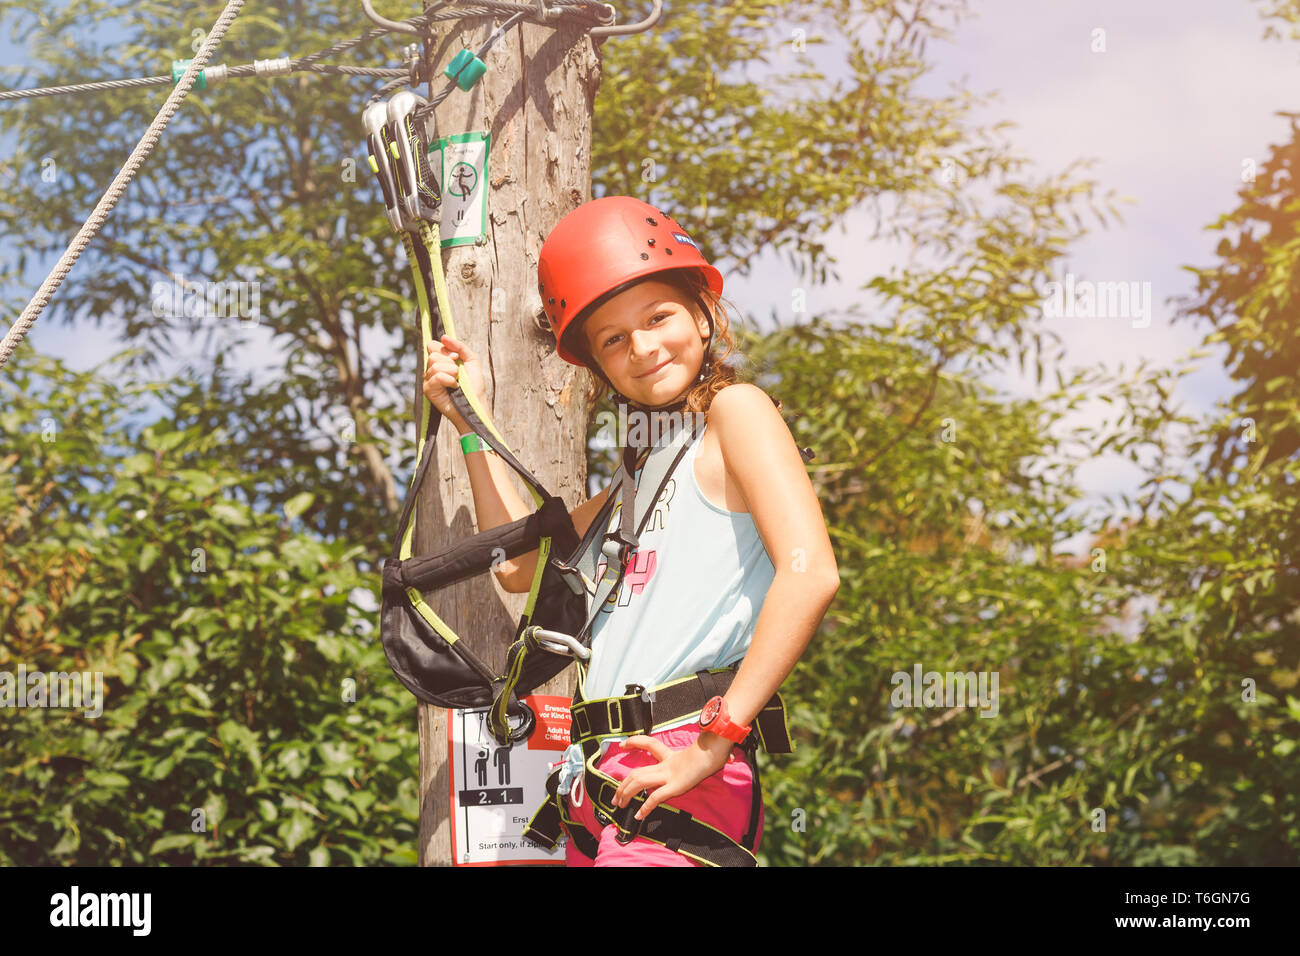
(461, 162)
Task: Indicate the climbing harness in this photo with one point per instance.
(645, 711)
(427, 656)
(642, 711)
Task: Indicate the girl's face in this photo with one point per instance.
(647, 342)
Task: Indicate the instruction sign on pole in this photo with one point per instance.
(495, 790)
(461, 164)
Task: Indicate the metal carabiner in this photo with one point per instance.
(514, 734)
(375, 121)
(558, 643)
(419, 193)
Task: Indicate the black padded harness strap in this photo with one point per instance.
(644, 712)
(665, 824)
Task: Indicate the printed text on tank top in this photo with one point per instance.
(643, 563)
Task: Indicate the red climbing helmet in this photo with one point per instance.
(602, 248)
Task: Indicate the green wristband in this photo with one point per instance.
(473, 442)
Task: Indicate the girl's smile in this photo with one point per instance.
(655, 369)
(647, 323)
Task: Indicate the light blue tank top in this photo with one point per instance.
(689, 600)
(690, 597)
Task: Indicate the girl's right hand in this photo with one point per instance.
(440, 375)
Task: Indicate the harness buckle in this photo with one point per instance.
(618, 547)
(571, 576)
(643, 720)
(612, 708)
(578, 718)
(628, 825)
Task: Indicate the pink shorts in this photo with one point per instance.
(723, 800)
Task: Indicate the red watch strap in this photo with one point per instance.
(722, 724)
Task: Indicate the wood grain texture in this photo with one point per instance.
(536, 100)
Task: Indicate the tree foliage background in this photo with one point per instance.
(211, 542)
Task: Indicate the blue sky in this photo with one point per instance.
(1183, 94)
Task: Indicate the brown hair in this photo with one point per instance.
(694, 289)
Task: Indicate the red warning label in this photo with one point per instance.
(552, 730)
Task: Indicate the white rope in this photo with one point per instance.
(119, 184)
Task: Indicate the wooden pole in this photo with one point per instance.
(536, 100)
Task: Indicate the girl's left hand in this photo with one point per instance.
(676, 772)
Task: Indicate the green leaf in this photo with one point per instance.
(169, 440)
(298, 504)
(334, 789)
(228, 514)
(162, 674)
(172, 841)
(199, 694)
(257, 854)
(103, 778)
(294, 830)
(148, 555)
(295, 761)
(385, 751)
(1128, 778)
(198, 484)
(215, 806)
(238, 738)
(70, 842)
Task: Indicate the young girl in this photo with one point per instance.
(735, 566)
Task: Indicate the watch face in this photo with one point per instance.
(710, 712)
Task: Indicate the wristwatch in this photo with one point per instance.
(715, 719)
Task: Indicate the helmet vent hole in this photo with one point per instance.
(667, 250)
(651, 220)
(650, 242)
(645, 255)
